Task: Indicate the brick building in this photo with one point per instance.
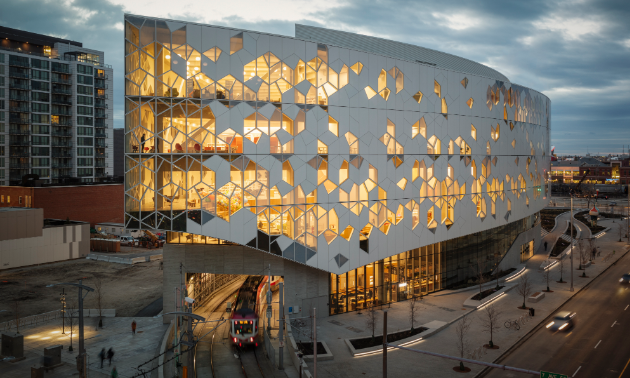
(86, 203)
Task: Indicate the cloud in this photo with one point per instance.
(576, 52)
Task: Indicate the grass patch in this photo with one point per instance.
(548, 218)
(583, 217)
(560, 246)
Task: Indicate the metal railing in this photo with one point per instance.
(101, 115)
(19, 86)
(61, 112)
(20, 165)
(19, 120)
(61, 134)
(57, 101)
(100, 135)
(20, 75)
(14, 142)
(19, 154)
(62, 155)
(59, 80)
(55, 58)
(99, 105)
(18, 63)
(61, 90)
(62, 123)
(62, 144)
(18, 98)
(101, 86)
(19, 109)
(97, 95)
(14, 131)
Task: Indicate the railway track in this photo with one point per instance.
(249, 363)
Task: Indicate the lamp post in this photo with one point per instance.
(81, 357)
(63, 310)
(571, 243)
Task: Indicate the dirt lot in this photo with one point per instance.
(127, 288)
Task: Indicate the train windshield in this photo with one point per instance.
(243, 326)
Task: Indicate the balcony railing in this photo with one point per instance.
(60, 69)
(62, 112)
(23, 86)
(101, 75)
(15, 97)
(62, 166)
(18, 131)
(61, 155)
(62, 144)
(19, 63)
(19, 154)
(19, 120)
(19, 109)
(19, 142)
(100, 145)
(100, 135)
(100, 115)
(20, 75)
(101, 106)
(62, 134)
(58, 101)
(58, 80)
(98, 95)
(61, 123)
(20, 165)
(100, 85)
(61, 90)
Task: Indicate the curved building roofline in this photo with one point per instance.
(397, 50)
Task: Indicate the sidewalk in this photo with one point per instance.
(447, 308)
(130, 350)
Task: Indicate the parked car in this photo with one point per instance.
(127, 240)
(562, 321)
(625, 278)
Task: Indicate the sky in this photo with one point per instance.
(577, 52)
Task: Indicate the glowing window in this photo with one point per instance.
(473, 132)
(437, 88)
(236, 43)
(357, 68)
(333, 126)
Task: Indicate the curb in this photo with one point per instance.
(529, 334)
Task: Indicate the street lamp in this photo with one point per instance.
(81, 355)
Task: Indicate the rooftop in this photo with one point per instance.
(28, 37)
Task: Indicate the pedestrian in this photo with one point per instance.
(545, 246)
(110, 356)
(102, 356)
(133, 327)
(114, 372)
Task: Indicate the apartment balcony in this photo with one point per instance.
(62, 123)
(100, 85)
(17, 63)
(61, 165)
(62, 134)
(61, 154)
(20, 165)
(61, 112)
(60, 69)
(62, 144)
(19, 120)
(101, 76)
(58, 80)
(19, 154)
(19, 142)
(22, 86)
(19, 75)
(99, 164)
(100, 105)
(84, 174)
(100, 115)
(100, 174)
(100, 135)
(19, 109)
(99, 123)
(59, 101)
(15, 97)
(61, 90)
(100, 95)
(19, 131)
(99, 144)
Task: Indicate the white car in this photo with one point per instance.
(127, 240)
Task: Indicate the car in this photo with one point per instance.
(562, 321)
(625, 278)
(127, 240)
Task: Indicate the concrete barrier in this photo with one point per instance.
(163, 346)
(155, 257)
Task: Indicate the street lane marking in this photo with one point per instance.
(578, 369)
(624, 368)
(626, 308)
(597, 344)
(613, 324)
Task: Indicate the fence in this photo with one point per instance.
(210, 287)
(52, 315)
(271, 352)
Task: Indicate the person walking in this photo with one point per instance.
(545, 246)
(114, 372)
(110, 356)
(133, 327)
(102, 356)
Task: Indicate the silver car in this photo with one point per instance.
(562, 321)
(625, 278)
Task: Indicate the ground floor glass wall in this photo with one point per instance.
(446, 265)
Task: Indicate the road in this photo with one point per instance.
(596, 347)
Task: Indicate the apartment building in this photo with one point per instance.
(56, 109)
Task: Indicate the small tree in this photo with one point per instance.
(547, 274)
(561, 260)
(592, 246)
(524, 288)
(73, 321)
(490, 320)
(461, 334)
(413, 310)
(497, 260)
(581, 249)
(98, 291)
(372, 317)
(16, 314)
(481, 279)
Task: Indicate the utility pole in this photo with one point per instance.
(281, 333)
(63, 310)
(385, 344)
(82, 370)
(571, 244)
(314, 342)
(191, 355)
(628, 218)
(269, 301)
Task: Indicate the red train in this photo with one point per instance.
(244, 318)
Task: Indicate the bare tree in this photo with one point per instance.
(497, 272)
(461, 334)
(561, 260)
(592, 247)
(413, 310)
(620, 230)
(372, 317)
(547, 274)
(481, 279)
(524, 288)
(98, 291)
(582, 252)
(72, 320)
(16, 314)
(490, 320)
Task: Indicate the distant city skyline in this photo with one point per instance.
(575, 52)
